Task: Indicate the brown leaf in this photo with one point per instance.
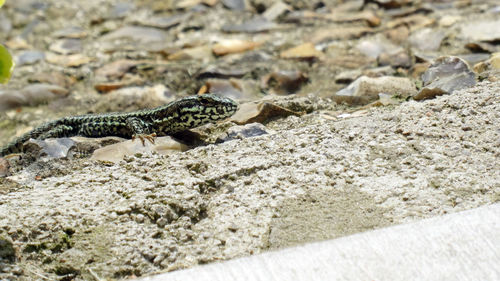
(304, 51)
(234, 46)
(260, 112)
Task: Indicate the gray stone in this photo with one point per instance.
(366, 89)
(397, 59)
(481, 30)
(374, 47)
(136, 33)
(70, 32)
(427, 39)
(165, 22)
(245, 131)
(67, 46)
(51, 148)
(276, 10)
(32, 94)
(257, 24)
(30, 57)
(121, 10)
(235, 5)
(444, 76)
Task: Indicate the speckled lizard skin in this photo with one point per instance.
(176, 116)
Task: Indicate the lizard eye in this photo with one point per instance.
(204, 100)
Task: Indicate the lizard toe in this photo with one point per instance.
(144, 137)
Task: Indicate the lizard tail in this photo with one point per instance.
(16, 145)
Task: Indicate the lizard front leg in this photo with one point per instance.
(140, 129)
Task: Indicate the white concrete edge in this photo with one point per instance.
(459, 246)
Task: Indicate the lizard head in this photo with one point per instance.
(197, 110)
(213, 107)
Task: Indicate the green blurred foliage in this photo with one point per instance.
(6, 62)
(6, 65)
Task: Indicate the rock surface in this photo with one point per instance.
(463, 245)
(244, 196)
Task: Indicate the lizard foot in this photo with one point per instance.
(144, 137)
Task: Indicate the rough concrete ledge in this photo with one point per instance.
(460, 246)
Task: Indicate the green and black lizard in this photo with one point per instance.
(168, 119)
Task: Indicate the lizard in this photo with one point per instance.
(146, 124)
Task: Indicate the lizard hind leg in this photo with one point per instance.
(140, 130)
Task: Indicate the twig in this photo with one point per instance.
(37, 274)
(94, 275)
